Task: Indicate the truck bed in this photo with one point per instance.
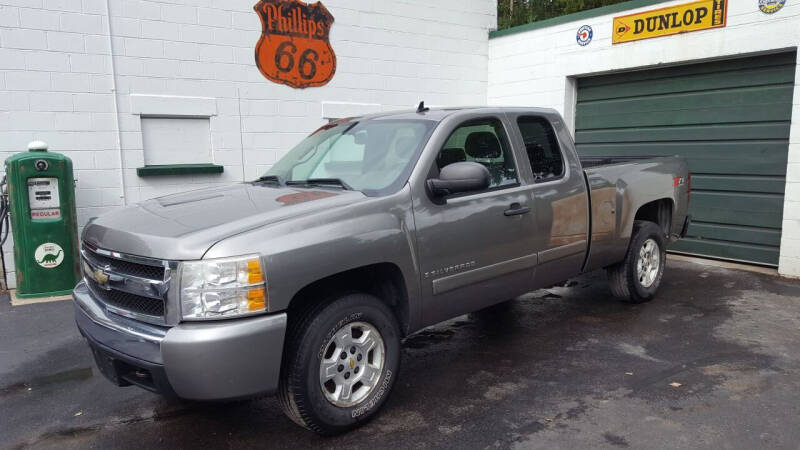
(618, 186)
(594, 161)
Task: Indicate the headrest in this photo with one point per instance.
(404, 146)
(449, 156)
(482, 144)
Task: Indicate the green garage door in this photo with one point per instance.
(730, 119)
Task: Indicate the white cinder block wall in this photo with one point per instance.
(56, 86)
(61, 62)
(536, 68)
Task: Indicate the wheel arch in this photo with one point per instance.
(659, 212)
(383, 280)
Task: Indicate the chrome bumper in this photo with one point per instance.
(218, 360)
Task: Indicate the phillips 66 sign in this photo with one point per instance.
(294, 48)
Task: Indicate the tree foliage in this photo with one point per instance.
(511, 13)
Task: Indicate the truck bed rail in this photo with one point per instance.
(594, 161)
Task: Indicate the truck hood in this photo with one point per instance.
(184, 226)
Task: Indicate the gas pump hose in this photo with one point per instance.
(4, 227)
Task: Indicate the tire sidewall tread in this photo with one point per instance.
(623, 279)
(299, 392)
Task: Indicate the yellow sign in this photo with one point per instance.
(695, 16)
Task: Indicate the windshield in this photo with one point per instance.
(370, 156)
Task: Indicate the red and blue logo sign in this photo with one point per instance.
(584, 36)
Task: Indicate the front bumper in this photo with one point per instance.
(217, 360)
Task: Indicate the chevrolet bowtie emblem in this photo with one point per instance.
(100, 276)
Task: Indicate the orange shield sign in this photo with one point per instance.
(294, 48)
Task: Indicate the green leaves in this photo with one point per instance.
(511, 13)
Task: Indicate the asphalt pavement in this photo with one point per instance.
(712, 362)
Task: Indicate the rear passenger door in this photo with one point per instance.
(475, 248)
(557, 193)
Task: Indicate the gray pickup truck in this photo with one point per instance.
(304, 282)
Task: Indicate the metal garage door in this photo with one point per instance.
(730, 119)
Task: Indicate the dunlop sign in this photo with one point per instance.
(695, 16)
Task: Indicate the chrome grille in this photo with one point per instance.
(129, 268)
(128, 285)
(128, 302)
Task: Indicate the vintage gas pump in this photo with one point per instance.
(41, 194)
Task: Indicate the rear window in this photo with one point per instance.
(542, 148)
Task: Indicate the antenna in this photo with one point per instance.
(422, 108)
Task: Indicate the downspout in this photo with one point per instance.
(116, 106)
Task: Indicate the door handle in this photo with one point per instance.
(516, 209)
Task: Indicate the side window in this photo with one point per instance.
(542, 148)
(482, 141)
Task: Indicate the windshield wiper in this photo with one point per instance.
(321, 181)
(269, 179)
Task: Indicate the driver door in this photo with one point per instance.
(476, 248)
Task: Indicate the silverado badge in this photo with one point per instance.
(294, 48)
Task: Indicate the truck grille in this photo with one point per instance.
(127, 285)
(129, 268)
(128, 302)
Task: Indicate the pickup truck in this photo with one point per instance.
(303, 282)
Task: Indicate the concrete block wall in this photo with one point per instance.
(55, 86)
(388, 54)
(71, 72)
(538, 67)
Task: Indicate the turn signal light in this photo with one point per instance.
(256, 299)
(254, 273)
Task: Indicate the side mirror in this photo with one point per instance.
(460, 177)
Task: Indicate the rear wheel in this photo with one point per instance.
(340, 364)
(637, 278)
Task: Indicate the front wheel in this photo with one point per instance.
(340, 364)
(637, 278)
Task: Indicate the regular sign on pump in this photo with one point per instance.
(43, 198)
(695, 16)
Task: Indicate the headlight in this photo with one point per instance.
(220, 288)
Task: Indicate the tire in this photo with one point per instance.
(310, 340)
(624, 278)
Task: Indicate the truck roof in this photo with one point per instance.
(440, 113)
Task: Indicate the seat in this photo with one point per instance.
(482, 145)
(449, 156)
(404, 147)
(543, 167)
